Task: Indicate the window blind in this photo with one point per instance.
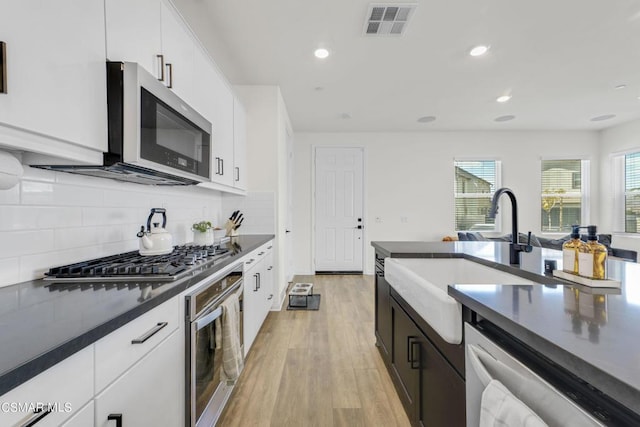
(632, 193)
(562, 194)
(475, 183)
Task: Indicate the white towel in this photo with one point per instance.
(232, 357)
(501, 408)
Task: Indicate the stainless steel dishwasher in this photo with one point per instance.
(486, 361)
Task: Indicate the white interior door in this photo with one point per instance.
(338, 209)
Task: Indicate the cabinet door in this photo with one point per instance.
(252, 304)
(178, 48)
(151, 393)
(404, 359)
(205, 73)
(383, 314)
(133, 33)
(442, 400)
(222, 152)
(56, 72)
(239, 145)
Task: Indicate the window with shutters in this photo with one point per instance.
(475, 183)
(563, 194)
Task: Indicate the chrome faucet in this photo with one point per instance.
(514, 247)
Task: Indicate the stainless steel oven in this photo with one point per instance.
(206, 392)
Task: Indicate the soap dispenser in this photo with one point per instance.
(592, 258)
(570, 251)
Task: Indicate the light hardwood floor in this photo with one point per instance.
(318, 368)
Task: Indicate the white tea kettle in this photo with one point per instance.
(156, 240)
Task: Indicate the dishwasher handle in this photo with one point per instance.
(473, 352)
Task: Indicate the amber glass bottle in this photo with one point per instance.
(592, 258)
(570, 250)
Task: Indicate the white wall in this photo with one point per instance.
(55, 218)
(616, 140)
(411, 174)
(267, 124)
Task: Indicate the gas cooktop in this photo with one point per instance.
(133, 266)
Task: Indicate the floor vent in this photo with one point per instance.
(388, 20)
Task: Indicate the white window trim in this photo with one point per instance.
(619, 182)
(498, 219)
(585, 199)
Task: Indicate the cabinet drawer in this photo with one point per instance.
(83, 418)
(66, 386)
(116, 352)
(149, 394)
(257, 255)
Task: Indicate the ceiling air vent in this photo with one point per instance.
(388, 20)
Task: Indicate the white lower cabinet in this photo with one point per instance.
(119, 350)
(150, 393)
(83, 418)
(258, 291)
(64, 388)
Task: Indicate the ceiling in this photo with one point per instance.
(560, 60)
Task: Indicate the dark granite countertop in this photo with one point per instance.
(591, 332)
(42, 323)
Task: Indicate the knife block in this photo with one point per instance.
(229, 226)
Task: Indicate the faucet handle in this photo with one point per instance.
(528, 247)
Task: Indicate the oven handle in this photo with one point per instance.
(206, 320)
(218, 300)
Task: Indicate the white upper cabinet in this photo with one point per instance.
(151, 33)
(178, 47)
(56, 92)
(214, 100)
(239, 145)
(222, 130)
(134, 33)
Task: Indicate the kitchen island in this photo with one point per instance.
(587, 334)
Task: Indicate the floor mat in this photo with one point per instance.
(313, 302)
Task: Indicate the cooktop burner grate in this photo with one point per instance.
(133, 266)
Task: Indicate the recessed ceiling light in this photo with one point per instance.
(319, 88)
(504, 118)
(620, 87)
(345, 116)
(479, 50)
(503, 98)
(603, 117)
(427, 119)
(321, 53)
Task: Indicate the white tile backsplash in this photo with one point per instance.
(258, 209)
(9, 271)
(55, 218)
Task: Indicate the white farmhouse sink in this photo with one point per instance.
(423, 282)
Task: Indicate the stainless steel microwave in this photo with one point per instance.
(154, 137)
